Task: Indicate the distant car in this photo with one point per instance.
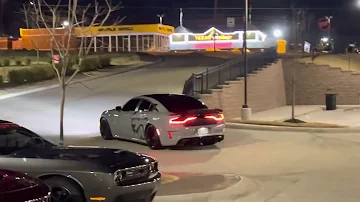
(161, 120)
(79, 174)
(18, 187)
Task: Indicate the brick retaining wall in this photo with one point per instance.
(265, 91)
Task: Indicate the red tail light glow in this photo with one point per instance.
(218, 117)
(181, 120)
(170, 135)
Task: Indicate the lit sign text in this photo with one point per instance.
(217, 37)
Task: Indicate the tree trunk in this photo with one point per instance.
(37, 56)
(62, 106)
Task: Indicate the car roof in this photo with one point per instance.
(161, 96)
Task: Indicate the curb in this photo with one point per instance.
(290, 129)
(243, 187)
(35, 90)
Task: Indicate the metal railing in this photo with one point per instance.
(211, 78)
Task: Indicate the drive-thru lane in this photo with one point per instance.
(283, 166)
(85, 101)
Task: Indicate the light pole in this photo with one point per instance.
(161, 18)
(214, 38)
(245, 111)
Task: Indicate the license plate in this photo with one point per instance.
(203, 131)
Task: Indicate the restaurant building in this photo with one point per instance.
(122, 38)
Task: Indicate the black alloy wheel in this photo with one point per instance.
(105, 130)
(152, 138)
(63, 190)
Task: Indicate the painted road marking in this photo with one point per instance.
(167, 179)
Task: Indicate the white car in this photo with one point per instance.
(163, 120)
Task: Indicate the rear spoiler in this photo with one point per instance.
(198, 112)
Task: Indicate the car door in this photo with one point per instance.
(123, 119)
(14, 140)
(140, 119)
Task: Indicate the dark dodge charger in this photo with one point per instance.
(18, 187)
(79, 173)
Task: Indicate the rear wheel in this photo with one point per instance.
(152, 138)
(105, 130)
(63, 190)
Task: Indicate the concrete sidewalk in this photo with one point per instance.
(346, 115)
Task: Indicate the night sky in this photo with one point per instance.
(145, 11)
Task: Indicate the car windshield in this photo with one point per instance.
(15, 138)
(179, 103)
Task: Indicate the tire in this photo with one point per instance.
(152, 139)
(105, 130)
(75, 194)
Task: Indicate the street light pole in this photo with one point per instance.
(161, 18)
(246, 111)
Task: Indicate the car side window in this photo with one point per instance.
(131, 105)
(15, 139)
(145, 105)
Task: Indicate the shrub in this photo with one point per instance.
(104, 61)
(89, 64)
(42, 72)
(6, 62)
(18, 62)
(21, 76)
(1, 64)
(1, 80)
(27, 61)
(36, 73)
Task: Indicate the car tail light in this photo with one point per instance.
(218, 117)
(181, 120)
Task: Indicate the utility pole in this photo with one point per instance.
(215, 8)
(245, 111)
(293, 23)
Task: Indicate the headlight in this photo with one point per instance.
(128, 175)
(118, 176)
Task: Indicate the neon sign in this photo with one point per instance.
(217, 37)
(213, 34)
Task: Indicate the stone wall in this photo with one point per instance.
(271, 87)
(265, 91)
(313, 81)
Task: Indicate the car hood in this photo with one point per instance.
(111, 158)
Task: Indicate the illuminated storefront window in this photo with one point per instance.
(215, 38)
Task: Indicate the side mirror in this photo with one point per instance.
(118, 108)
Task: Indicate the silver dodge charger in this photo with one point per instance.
(163, 120)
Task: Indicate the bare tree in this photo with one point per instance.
(62, 42)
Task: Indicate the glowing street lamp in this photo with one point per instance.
(325, 39)
(65, 23)
(278, 33)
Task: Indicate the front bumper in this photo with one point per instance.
(141, 192)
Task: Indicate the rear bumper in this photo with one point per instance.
(190, 136)
(207, 140)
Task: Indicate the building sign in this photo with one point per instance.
(114, 29)
(166, 29)
(213, 34)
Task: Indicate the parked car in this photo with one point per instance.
(19, 187)
(161, 120)
(79, 173)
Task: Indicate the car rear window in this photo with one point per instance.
(179, 103)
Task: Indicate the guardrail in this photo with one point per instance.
(213, 77)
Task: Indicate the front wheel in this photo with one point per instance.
(152, 138)
(105, 130)
(63, 190)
